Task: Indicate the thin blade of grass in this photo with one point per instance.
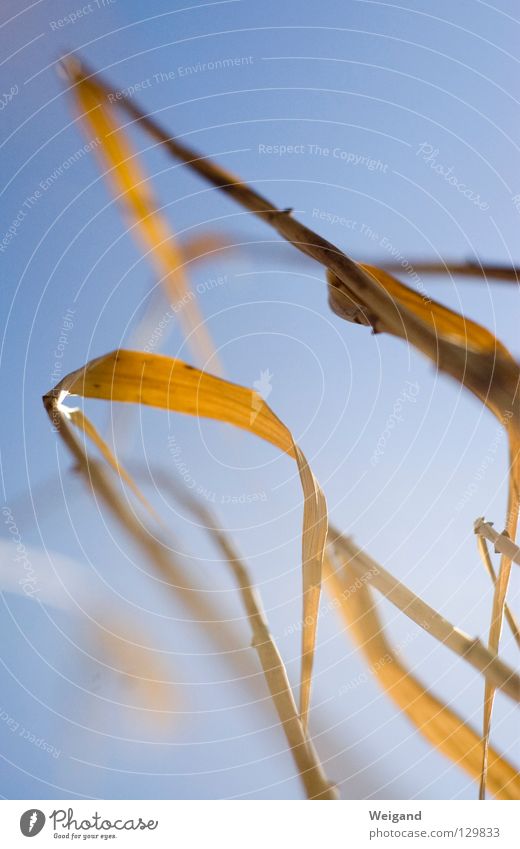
(154, 380)
(486, 271)
(316, 784)
(500, 595)
(509, 615)
(439, 724)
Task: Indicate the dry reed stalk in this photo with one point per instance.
(494, 670)
(438, 723)
(315, 783)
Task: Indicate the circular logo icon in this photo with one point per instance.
(32, 822)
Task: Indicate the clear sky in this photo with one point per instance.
(341, 110)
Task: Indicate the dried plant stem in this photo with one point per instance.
(315, 783)
(498, 673)
(509, 615)
(506, 273)
(305, 757)
(305, 240)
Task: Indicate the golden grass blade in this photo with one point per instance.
(316, 784)
(130, 186)
(496, 672)
(500, 594)
(437, 722)
(508, 614)
(151, 379)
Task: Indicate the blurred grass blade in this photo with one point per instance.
(154, 380)
(500, 594)
(437, 722)
(139, 667)
(170, 573)
(131, 188)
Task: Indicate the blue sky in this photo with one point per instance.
(344, 84)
